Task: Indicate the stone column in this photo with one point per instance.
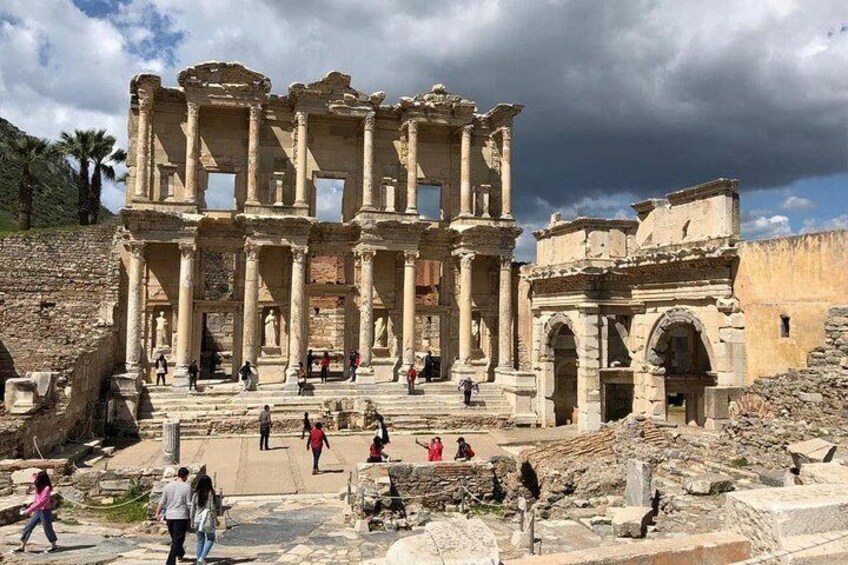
(505, 314)
(465, 271)
(192, 139)
(465, 173)
(135, 293)
(171, 442)
(142, 149)
(250, 320)
(185, 313)
(412, 167)
(506, 172)
(409, 258)
(300, 185)
(253, 154)
(588, 370)
(297, 314)
(365, 372)
(368, 163)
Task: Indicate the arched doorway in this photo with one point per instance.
(564, 349)
(679, 345)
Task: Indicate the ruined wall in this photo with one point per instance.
(799, 277)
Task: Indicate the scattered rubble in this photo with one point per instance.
(708, 484)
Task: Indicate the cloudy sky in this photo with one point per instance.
(624, 99)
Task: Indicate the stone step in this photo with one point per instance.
(817, 549)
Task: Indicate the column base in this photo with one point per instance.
(252, 203)
(181, 377)
(504, 374)
(459, 372)
(300, 205)
(365, 376)
(291, 379)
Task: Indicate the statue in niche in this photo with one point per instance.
(475, 334)
(380, 332)
(391, 339)
(271, 332)
(161, 330)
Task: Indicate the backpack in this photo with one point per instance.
(469, 453)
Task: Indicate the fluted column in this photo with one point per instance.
(300, 185)
(368, 163)
(506, 172)
(251, 299)
(297, 313)
(365, 373)
(505, 314)
(185, 311)
(142, 149)
(135, 274)
(192, 135)
(409, 258)
(465, 281)
(412, 167)
(253, 154)
(465, 173)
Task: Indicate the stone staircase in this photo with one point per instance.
(223, 409)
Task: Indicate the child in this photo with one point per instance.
(376, 453)
(307, 425)
(41, 510)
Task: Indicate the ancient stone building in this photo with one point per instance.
(233, 255)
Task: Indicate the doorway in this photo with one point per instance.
(216, 345)
(565, 376)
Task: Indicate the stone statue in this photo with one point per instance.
(475, 333)
(271, 328)
(161, 330)
(380, 332)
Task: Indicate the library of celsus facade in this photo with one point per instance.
(232, 255)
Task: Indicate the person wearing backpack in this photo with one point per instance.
(463, 451)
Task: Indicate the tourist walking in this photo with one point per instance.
(301, 380)
(264, 428)
(203, 517)
(307, 426)
(41, 511)
(310, 361)
(411, 375)
(161, 365)
(382, 431)
(353, 359)
(316, 442)
(467, 386)
(463, 450)
(325, 367)
(376, 453)
(193, 372)
(434, 450)
(246, 373)
(175, 508)
(428, 367)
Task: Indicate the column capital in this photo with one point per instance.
(299, 253)
(187, 250)
(251, 250)
(300, 118)
(411, 127)
(506, 262)
(255, 112)
(409, 256)
(136, 248)
(370, 120)
(467, 129)
(505, 132)
(365, 253)
(193, 109)
(145, 104)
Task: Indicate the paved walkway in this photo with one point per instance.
(239, 468)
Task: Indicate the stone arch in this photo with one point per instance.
(550, 331)
(659, 338)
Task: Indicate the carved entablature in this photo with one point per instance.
(268, 229)
(229, 84)
(438, 106)
(488, 240)
(391, 234)
(155, 225)
(333, 94)
(501, 116)
(144, 87)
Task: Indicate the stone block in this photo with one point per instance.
(708, 484)
(638, 491)
(455, 541)
(21, 396)
(824, 474)
(717, 401)
(116, 486)
(24, 476)
(715, 425)
(811, 451)
(811, 397)
(631, 521)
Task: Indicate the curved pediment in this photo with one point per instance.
(229, 76)
(334, 92)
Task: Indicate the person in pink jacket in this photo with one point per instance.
(41, 511)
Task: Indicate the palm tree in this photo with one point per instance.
(78, 145)
(104, 157)
(28, 153)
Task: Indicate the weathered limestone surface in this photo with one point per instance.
(824, 474)
(631, 521)
(638, 491)
(451, 542)
(708, 484)
(814, 450)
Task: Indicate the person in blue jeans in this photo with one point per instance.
(41, 513)
(203, 517)
(316, 441)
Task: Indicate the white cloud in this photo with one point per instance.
(825, 224)
(795, 203)
(765, 227)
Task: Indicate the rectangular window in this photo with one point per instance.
(328, 199)
(220, 191)
(430, 201)
(784, 326)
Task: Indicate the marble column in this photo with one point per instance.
(409, 258)
(506, 172)
(135, 292)
(185, 313)
(253, 155)
(368, 163)
(505, 314)
(250, 321)
(466, 259)
(465, 173)
(365, 373)
(192, 142)
(300, 184)
(412, 167)
(297, 314)
(142, 149)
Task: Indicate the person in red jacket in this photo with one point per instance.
(411, 375)
(376, 453)
(434, 450)
(325, 367)
(316, 442)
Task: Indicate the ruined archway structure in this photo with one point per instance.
(625, 288)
